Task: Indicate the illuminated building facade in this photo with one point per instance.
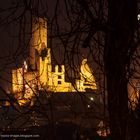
(37, 74)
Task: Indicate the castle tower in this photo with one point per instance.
(39, 52)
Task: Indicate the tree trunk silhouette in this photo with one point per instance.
(122, 19)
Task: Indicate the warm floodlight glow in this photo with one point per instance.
(22, 102)
(138, 17)
(91, 98)
(103, 131)
(25, 66)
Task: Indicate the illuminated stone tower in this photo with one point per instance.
(39, 52)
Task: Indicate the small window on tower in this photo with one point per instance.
(59, 82)
(59, 77)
